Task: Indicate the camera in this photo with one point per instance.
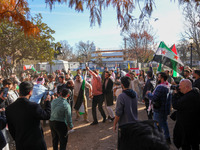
(175, 87)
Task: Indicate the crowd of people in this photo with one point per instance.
(27, 100)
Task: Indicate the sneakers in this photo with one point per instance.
(71, 131)
(94, 123)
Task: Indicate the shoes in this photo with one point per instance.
(111, 119)
(94, 123)
(87, 121)
(71, 131)
(104, 120)
(77, 118)
(168, 141)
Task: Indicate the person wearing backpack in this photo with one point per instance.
(159, 99)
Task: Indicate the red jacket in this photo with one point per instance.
(96, 84)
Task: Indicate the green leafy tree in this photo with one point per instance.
(15, 43)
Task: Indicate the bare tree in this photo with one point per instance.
(140, 42)
(67, 51)
(182, 48)
(84, 50)
(191, 25)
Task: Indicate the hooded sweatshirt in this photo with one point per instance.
(126, 107)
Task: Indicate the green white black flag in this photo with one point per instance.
(167, 57)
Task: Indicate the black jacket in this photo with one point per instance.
(23, 118)
(187, 119)
(108, 92)
(2, 126)
(149, 86)
(197, 83)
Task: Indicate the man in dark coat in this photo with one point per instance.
(196, 75)
(108, 95)
(149, 86)
(103, 74)
(186, 131)
(24, 117)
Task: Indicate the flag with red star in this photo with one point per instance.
(169, 58)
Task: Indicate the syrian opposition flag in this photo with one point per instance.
(29, 67)
(137, 70)
(79, 102)
(167, 57)
(79, 106)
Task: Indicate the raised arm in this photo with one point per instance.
(91, 72)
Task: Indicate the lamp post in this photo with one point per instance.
(191, 47)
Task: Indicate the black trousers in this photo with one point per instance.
(59, 132)
(97, 100)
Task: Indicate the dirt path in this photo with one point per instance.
(97, 137)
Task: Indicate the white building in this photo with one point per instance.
(58, 65)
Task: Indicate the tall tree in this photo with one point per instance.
(182, 48)
(191, 25)
(17, 12)
(14, 43)
(84, 50)
(140, 42)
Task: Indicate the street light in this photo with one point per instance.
(191, 47)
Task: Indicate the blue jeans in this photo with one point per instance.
(162, 120)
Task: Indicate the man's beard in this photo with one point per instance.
(159, 81)
(70, 87)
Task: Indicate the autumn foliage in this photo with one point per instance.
(17, 11)
(140, 42)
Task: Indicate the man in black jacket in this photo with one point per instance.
(196, 75)
(149, 86)
(24, 117)
(186, 130)
(108, 95)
